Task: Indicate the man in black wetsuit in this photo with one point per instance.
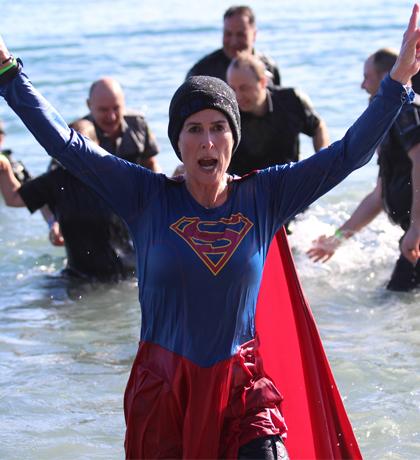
(271, 118)
(239, 33)
(397, 190)
(123, 133)
(97, 243)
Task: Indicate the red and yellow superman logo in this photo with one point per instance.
(213, 241)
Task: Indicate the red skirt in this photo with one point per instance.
(176, 409)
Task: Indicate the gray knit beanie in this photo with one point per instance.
(200, 93)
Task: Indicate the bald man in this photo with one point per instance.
(120, 132)
(272, 118)
(126, 135)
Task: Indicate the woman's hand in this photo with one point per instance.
(408, 61)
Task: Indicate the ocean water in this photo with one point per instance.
(65, 354)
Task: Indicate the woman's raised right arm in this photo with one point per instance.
(122, 184)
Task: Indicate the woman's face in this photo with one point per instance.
(206, 143)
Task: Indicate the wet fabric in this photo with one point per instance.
(98, 245)
(216, 64)
(405, 276)
(294, 358)
(267, 448)
(176, 409)
(395, 165)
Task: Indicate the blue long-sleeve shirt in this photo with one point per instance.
(200, 269)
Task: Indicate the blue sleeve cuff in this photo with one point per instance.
(393, 89)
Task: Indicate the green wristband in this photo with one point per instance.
(339, 234)
(8, 67)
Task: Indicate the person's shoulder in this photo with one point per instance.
(211, 57)
(271, 67)
(408, 120)
(291, 95)
(247, 178)
(412, 109)
(266, 59)
(264, 176)
(135, 119)
(413, 106)
(57, 174)
(50, 178)
(87, 117)
(211, 64)
(281, 91)
(131, 114)
(282, 94)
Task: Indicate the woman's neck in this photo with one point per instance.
(209, 195)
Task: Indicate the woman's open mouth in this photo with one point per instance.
(208, 164)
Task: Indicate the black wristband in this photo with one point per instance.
(10, 58)
(11, 73)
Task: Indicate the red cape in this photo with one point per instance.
(293, 355)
